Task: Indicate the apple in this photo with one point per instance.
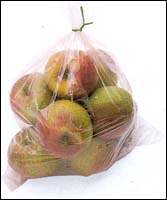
(64, 128)
(28, 96)
(28, 158)
(95, 158)
(106, 67)
(112, 110)
(71, 74)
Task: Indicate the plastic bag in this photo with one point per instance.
(76, 112)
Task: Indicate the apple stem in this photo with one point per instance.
(83, 23)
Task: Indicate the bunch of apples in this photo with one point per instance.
(77, 115)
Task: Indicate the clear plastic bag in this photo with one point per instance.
(76, 112)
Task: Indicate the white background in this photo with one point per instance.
(135, 33)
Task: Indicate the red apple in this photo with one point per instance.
(71, 74)
(64, 128)
(28, 96)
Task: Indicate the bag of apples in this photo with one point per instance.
(76, 110)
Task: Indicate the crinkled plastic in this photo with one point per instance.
(76, 112)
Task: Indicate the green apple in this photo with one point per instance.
(112, 110)
(28, 158)
(91, 160)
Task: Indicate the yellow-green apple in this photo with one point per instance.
(71, 74)
(29, 95)
(64, 128)
(106, 68)
(95, 158)
(28, 158)
(112, 110)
